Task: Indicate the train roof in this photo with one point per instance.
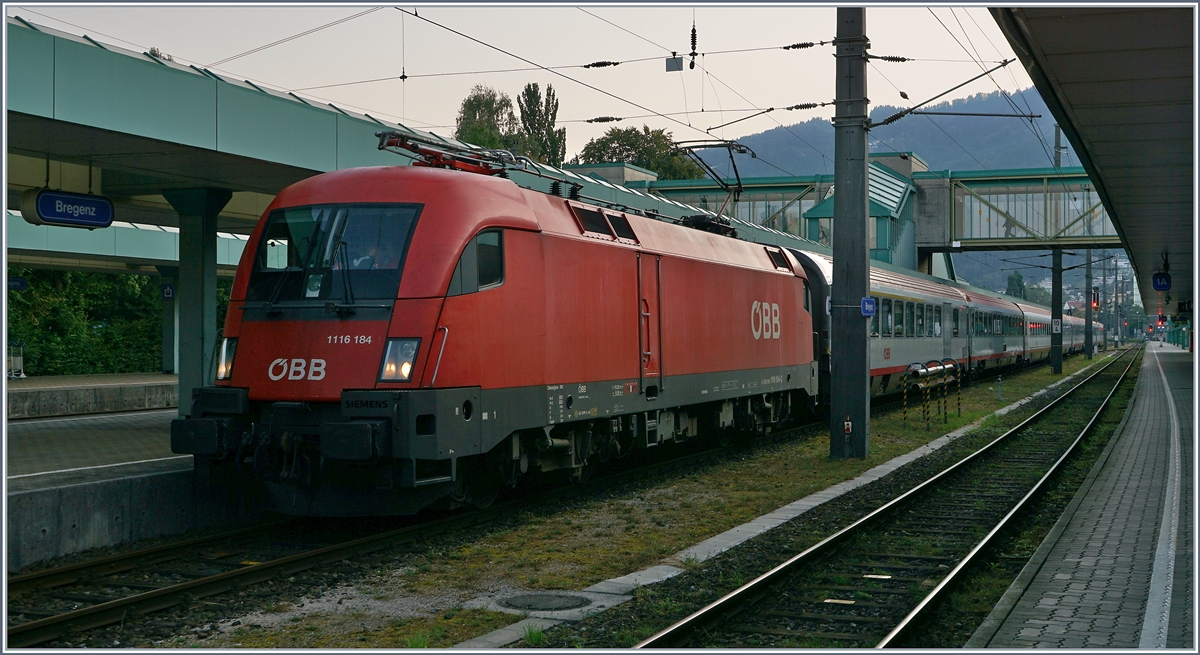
(553, 181)
(891, 278)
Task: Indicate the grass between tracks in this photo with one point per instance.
(588, 542)
(357, 629)
(584, 545)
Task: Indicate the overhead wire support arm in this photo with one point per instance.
(743, 118)
(901, 114)
(970, 113)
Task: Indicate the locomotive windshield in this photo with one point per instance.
(332, 253)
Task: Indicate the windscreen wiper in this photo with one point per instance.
(343, 309)
(271, 310)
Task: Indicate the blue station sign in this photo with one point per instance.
(867, 306)
(1161, 282)
(17, 283)
(46, 207)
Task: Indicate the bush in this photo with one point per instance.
(77, 323)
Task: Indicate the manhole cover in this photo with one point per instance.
(546, 602)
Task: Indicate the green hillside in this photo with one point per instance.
(944, 142)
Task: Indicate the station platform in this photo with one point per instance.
(79, 482)
(71, 395)
(1116, 571)
(46, 452)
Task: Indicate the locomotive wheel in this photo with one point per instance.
(724, 437)
(484, 484)
(584, 473)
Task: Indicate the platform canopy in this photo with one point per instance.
(1120, 81)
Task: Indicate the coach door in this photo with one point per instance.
(650, 323)
(943, 323)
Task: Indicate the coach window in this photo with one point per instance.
(875, 318)
(956, 321)
(898, 321)
(920, 320)
(885, 314)
(929, 320)
(909, 319)
(937, 321)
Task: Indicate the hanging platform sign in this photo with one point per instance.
(63, 209)
(1162, 282)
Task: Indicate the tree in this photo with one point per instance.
(538, 117)
(1038, 295)
(486, 119)
(1016, 285)
(650, 149)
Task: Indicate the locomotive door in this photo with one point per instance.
(947, 331)
(650, 324)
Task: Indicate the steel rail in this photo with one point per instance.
(62, 575)
(42, 630)
(679, 634)
(918, 613)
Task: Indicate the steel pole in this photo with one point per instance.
(850, 417)
(1087, 303)
(1056, 303)
(1104, 300)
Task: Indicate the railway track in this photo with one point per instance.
(53, 602)
(100, 592)
(871, 582)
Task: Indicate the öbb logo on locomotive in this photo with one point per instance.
(764, 320)
(295, 369)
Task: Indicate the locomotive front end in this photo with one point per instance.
(315, 337)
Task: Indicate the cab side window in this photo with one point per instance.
(481, 266)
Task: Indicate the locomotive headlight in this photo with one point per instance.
(398, 360)
(225, 360)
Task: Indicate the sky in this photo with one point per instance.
(373, 42)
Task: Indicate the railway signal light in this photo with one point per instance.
(1095, 298)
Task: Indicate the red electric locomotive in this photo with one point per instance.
(400, 337)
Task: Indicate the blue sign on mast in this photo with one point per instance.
(46, 207)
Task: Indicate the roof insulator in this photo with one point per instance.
(602, 64)
(573, 194)
(556, 188)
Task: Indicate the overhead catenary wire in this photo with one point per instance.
(935, 124)
(1041, 139)
(293, 37)
(185, 60)
(824, 158)
(1032, 126)
(569, 78)
(555, 72)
